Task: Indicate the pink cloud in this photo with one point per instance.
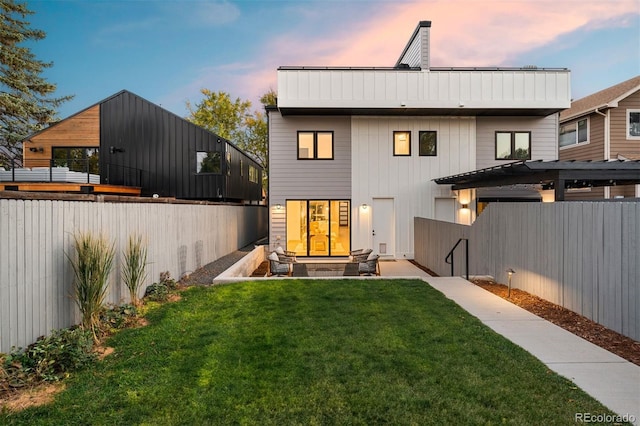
(463, 33)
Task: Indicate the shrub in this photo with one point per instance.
(159, 292)
(49, 358)
(91, 266)
(134, 267)
(117, 317)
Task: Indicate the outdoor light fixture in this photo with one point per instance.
(278, 206)
(510, 272)
(364, 206)
(38, 149)
(465, 206)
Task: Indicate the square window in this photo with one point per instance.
(428, 140)
(208, 162)
(574, 133)
(315, 145)
(513, 145)
(633, 121)
(402, 143)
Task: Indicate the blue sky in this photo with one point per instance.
(167, 50)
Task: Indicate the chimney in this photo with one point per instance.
(416, 53)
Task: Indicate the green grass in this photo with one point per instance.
(313, 352)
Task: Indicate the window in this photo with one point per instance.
(574, 133)
(253, 174)
(633, 124)
(86, 160)
(315, 145)
(402, 143)
(428, 140)
(208, 162)
(228, 163)
(513, 145)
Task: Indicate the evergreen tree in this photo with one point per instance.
(26, 104)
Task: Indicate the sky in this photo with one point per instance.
(168, 50)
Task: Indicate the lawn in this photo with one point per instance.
(313, 352)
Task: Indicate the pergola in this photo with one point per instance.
(556, 175)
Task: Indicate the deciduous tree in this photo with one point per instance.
(233, 120)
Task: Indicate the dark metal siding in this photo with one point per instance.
(142, 144)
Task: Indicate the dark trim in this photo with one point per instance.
(315, 145)
(329, 200)
(420, 133)
(408, 132)
(418, 112)
(513, 145)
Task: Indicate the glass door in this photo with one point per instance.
(318, 227)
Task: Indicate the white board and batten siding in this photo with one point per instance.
(377, 173)
(370, 88)
(290, 178)
(36, 277)
(544, 137)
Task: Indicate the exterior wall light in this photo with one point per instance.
(278, 206)
(465, 206)
(364, 206)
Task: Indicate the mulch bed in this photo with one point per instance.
(623, 346)
(595, 333)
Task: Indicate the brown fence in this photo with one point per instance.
(37, 235)
(584, 256)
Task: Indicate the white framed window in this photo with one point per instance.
(574, 133)
(633, 124)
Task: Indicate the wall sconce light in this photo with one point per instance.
(510, 272)
(364, 206)
(278, 206)
(114, 150)
(465, 206)
(38, 149)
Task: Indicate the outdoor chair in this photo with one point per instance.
(359, 255)
(286, 255)
(370, 266)
(279, 267)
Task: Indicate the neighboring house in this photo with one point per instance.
(603, 126)
(126, 144)
(353, 151)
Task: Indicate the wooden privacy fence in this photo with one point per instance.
(35, 237)
(584, 256)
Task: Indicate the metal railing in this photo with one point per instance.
(449, 259)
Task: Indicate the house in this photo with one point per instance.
(603, 126)
(353, 151)
(125, 144)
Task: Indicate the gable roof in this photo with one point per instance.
(606, 98)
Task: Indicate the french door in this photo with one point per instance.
(319, 227)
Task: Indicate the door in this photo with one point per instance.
(318, 227)
(384, 227)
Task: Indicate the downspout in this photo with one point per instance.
(607, 144)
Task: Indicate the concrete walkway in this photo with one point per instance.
(610, 379)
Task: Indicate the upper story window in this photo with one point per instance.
(428, 143)
(77, 159)
(513, 145)
(208, 162)
(253, 174)
(402, 143)
(574, 133)
(633, 124)
(228, 163)
(315, 145)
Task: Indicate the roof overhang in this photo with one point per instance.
(557, 175)
(457, 112)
